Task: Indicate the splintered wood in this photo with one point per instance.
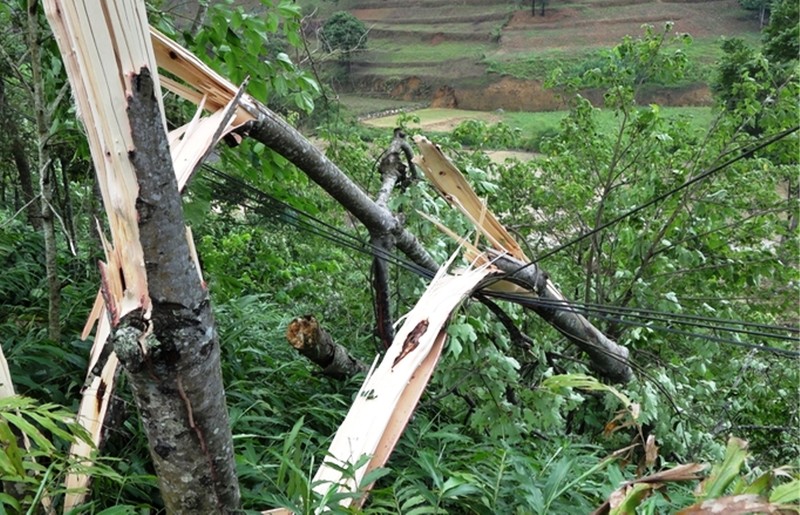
(390, 393)
(103, 45)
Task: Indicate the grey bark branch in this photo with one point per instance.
(312, 341)
(606, 357)
(271, 130)
(173, 360)
(393, 172)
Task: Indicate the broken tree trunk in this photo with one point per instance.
(153, 304)
(312, 341)
(607, 357)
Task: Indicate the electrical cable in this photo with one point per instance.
(678, 318)
(659, 198)
(603, 315)
(272, 207)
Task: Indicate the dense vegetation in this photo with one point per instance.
(677, 240)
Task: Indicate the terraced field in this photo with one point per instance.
(485, 55)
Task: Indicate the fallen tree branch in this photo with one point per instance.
(312, 341)
(606, 356)
(262, 124)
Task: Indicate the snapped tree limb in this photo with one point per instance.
(606, 357)
(315, 343)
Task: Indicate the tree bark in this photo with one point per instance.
(199, 17)
(605, 356)
(274, 132)
(393, 172)
(45, 177)
(26, 182)
(173, 360)
(312, 341)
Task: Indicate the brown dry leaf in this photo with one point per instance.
(732, 505)
(623, 419)
(687, 472)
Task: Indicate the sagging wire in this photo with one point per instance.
(267, 205)
(606, 314)
(679, 318)
(659, 198)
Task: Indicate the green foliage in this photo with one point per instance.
(344, 32)
(696, 252)
(782, 36)
(478, 135)
(629, 65)
(240, 44)
(34, 440)
(762, 6)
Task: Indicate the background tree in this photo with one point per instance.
(345, 33)
(761, 6)
(781, 37)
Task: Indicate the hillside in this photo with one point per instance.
(484, 55)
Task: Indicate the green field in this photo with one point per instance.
(537, 123)
(529, 123)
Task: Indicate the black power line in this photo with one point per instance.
(659, 198)
(267, 205)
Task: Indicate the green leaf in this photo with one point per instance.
(374, 475)
(724, 473)
(786, 493)
(584, 382)
(29, 429)
(8, 500)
